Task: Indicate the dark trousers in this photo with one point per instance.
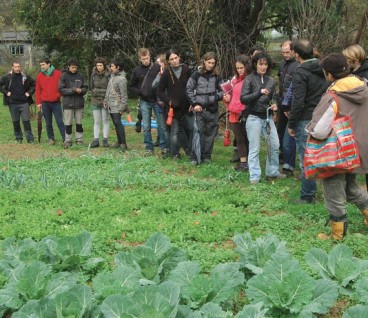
(119, 128)
(17, 112)
(281, 127)
(207, 123)
(241, 138)
(178, 137)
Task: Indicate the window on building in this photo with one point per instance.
(16, 49)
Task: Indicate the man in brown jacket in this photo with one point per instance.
(352, 99)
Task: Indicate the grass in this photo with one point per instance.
(124, 198)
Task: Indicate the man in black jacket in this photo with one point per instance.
(287, 68)
(141, 85)
(73, 87)
(18, 88)
(309, 84)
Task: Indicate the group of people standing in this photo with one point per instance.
(181, 100)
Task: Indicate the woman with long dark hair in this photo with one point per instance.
(242, 68)
(257, 92)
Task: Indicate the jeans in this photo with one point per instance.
(340, 189)
(308, 187)
(146, 109)
(53, 108)
(289, 150)
(256, 127)
(167, 129)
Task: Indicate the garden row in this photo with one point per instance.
(59, 277)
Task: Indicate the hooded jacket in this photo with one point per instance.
(352, 99)
(309, 84)
(172, 90)
(68, 84)
(98, 86)
(257, 103)
(116, 96)
(47, 86)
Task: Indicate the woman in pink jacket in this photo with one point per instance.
(236, 109)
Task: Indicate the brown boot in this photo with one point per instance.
(338, 231)
(365, 214)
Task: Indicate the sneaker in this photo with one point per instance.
(194, 162)
(208, 161)
(298, 201)
(95, 143)
(288, 172)
(51, 142)
(79, 142)
(255, 181)
(105, 143)
(149, 153)
(279, 176)
(242, 167)
(67, 144)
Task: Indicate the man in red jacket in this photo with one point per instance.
(48, 98)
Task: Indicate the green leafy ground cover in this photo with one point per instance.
(122, 199)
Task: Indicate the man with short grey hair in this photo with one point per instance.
(18, 89)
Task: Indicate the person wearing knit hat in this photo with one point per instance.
(337, 65)
(352, 100)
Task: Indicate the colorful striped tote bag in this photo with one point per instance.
(338, 153)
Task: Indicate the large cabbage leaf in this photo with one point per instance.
(339, 265)
(159, 243)
(155, 259)
(325, 295)
(255, 254)
(317, 259)
(77, 302)
(282, 286)
(226, 282)
(358, 311)
(122, 280)
(252, 311)
(148, 301)
(33, 280)
(43, 308)
(59, 283)
(67, 246)
(361, 288)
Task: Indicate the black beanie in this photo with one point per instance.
(335, 64)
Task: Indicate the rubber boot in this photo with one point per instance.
(365, 214)
(338, 231)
